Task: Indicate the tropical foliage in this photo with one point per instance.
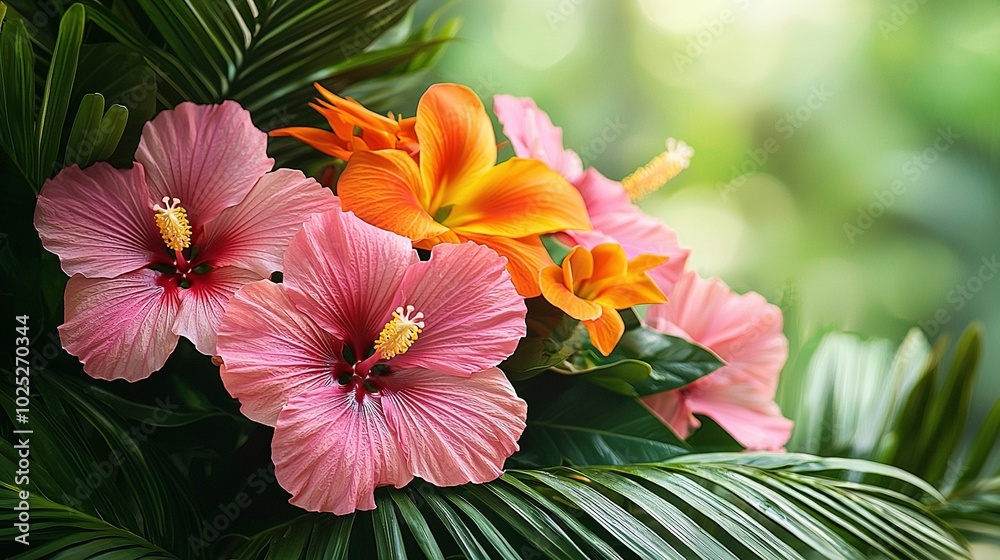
(884, 461)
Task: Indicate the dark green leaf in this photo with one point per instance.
(587, 425)
(58, 89)
(124, 78)
(986, 442)
(17, 112)
(418, 527)
(674, 362)
(110, 132)
(944, 422)
(388, 537)
(80, 147)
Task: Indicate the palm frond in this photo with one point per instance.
(59, 531)
(911, 410)
(33, 140)
(266, 54)
(98, 467)
(720, 506)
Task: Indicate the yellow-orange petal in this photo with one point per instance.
(383, 188)
(323, 140)
(357, 112)
(606, 330)
(631, 290)
(525, 258)
(518, 198)
(610, 261)
(456, 138)
(644, 262)
(632, 287)
(448, 236)
(577, 267)
(609, 269)
(561, 296)
(407, 139)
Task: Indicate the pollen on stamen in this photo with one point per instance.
(659, 170)
(173, 223)
(400, 332)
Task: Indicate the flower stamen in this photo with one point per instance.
(659, 170)
(173, 223)
(400, 332)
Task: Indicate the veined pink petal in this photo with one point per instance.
(208, 156)
(746, 332)
(120, 327)
(672, 408)
(751, 417)
(616, 219)
(453, 430)
(331, 451)
(473, 316)
(255, 233)
(203, 303)
(533, 135)
(99, 221)
(343, 273)
(271, 351)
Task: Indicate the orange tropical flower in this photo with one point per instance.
(354, 129)
(457, 192)
(592, 285)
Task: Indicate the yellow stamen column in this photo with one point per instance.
(400, 332)
(173, 223)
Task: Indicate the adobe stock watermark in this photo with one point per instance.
(712, 29)
(564, 10)
(45, 11)
(912, 170)
(786, 127)
(486, 87)
(212, 529)
(961, 295)
(104, 470)
(612, 131)
(899, 14)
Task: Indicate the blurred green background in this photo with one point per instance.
(846, 151)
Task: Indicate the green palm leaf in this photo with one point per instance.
(59, 531)
(720, 506)
(33, 141)
(907, 408)
(266, 54)
(90, 470)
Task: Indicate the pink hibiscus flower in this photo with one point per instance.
(156, 251)
(375, 367)
(743, 330)
(614, 217)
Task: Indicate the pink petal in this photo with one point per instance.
(672, 408)
(120, 327)
(473, 316)
(343, 274)
(751, 417)
(203, 303)
(255, 233)
(453, 430)
(331, 451)
(746, 332)
(271, 351)
(99, 220)
(616, 219)
(208, 156)
(532, 135)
